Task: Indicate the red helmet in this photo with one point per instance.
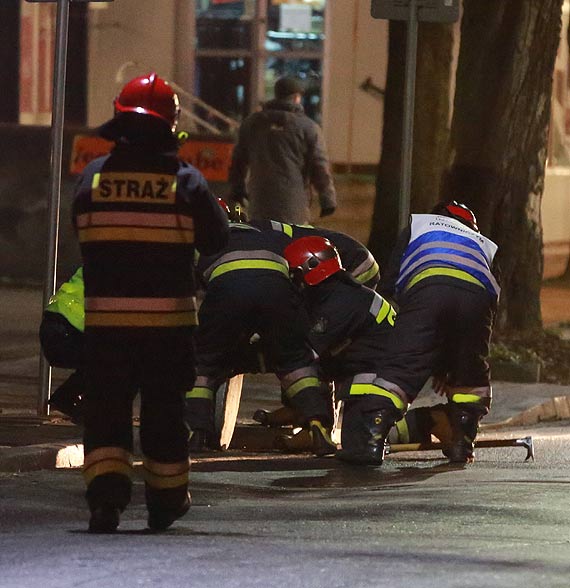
(149, 95)
(224, 206)
(312, 259)
(458, 211)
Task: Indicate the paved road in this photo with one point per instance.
(268, 520)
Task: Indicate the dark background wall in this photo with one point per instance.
(24, 195)
(9, 61)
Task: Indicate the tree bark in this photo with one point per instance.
(431, 132)
(499, 137)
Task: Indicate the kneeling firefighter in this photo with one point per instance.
(356, 259)
(248, 292)
(139, 213)
(349, 330)
(440, 275)
(62, 342)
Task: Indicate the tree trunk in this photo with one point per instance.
(435, 42)
(499, 137)
(384, 231)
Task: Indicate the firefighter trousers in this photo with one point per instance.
(158, 364)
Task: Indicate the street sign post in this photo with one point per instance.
(36, 1)
(428, 10)
(412, 11)
(56, 155)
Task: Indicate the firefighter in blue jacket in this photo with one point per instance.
(248, 292)
(440, 275)
(349, 328)
(139, 213)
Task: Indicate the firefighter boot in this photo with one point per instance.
(107, 496)
(199, 418)
(281, 417)
(166, 506)
(464, 419)
(299, 442)
(321, 442)
(365, 440)
(104, 520)
(68, 398)
(198, 441)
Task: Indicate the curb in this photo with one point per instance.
(555, 409)
(30, 458)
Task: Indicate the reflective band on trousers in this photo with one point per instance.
(362, 389)
(403, 431)
(470, 394)
(165, 475)
(107, 460)
(300, 385)
(200, 392)
(444, 271)
(150, 304)
(372, 384)
(381, 309)
(246, 260)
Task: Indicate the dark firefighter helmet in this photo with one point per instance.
(312, 260)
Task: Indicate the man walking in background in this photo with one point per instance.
(280, 154)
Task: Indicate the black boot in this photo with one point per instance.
(200, 441)
(464, 419)
(104, 520)
(68, 398)
(161, 516)
(365, 443)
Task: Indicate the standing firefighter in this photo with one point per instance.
(440, 275)
(139, 213)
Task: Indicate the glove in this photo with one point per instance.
(327, 211)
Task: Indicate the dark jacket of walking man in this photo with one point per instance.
(139, 212)
(280, 154)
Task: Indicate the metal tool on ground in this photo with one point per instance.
(525, 442)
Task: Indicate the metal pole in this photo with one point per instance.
(56, 152)
(408, 125)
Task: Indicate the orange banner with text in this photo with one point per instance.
(212, 158)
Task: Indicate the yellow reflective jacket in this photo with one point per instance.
(69, 301)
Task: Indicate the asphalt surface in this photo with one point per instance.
(267, 519)
(273, 521)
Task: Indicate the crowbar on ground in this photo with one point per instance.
(525, 442)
